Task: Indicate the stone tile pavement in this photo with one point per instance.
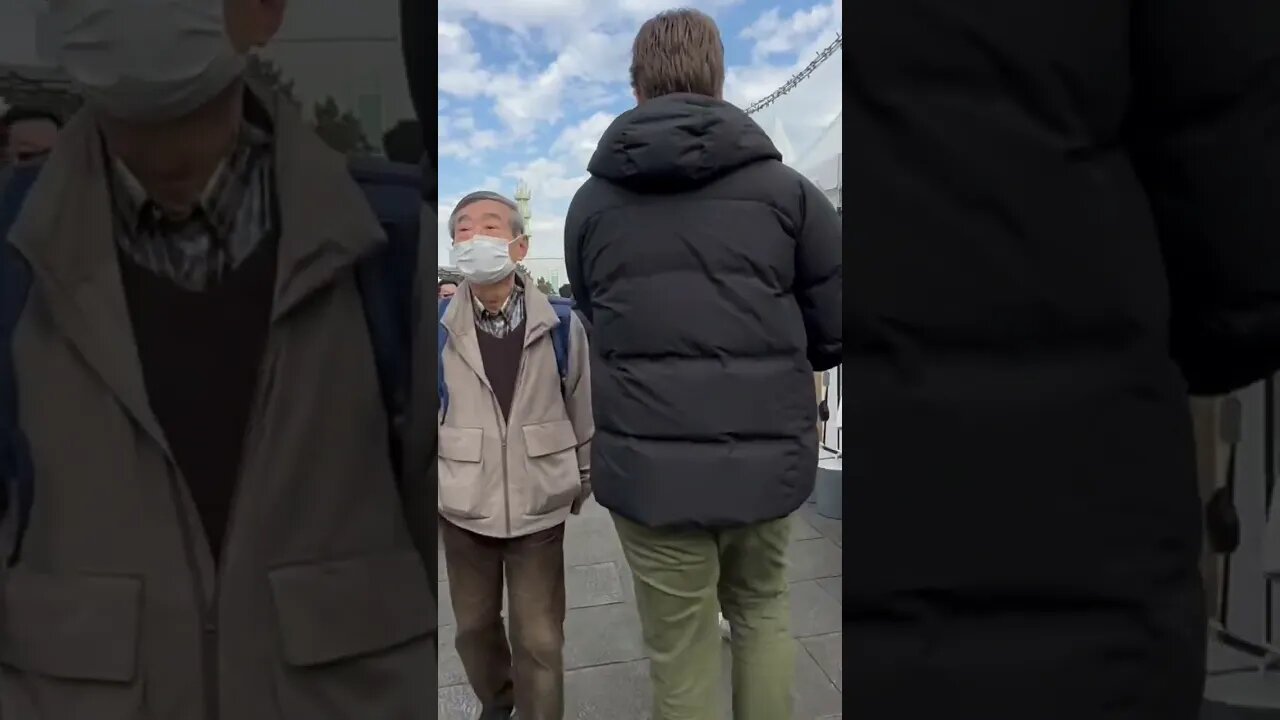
(606, 670)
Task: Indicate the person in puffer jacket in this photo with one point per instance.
(1066, 221)
(711, 275)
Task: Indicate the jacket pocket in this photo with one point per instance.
(69, 647)
(462, 484)
(552, 466)
(354, 638)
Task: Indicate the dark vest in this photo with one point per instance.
(502, 362)
(201, 353)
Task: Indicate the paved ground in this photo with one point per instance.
(607, 674)
(1234, 686)
(1214, 711)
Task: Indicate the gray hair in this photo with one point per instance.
(517, 221)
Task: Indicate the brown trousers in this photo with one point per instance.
(528, 673)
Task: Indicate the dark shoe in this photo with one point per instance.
(497, 714)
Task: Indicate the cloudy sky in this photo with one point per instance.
(527, 88)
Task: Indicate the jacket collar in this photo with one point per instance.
(65, 231)
(459, 317)
(66, 227)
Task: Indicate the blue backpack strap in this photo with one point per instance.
(389, 335)
(16, 471)
(561, 334)
(442, 337)
(386, 280)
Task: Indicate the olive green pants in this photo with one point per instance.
(683, 579)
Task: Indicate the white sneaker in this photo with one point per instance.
(725, 631)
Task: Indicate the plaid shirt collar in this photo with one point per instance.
(220, 200)
(234, 214)
(507, 317)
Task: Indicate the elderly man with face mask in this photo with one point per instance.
(515, 433)
(217, 532)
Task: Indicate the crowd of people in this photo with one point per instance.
(226, 316)
(709, 274)
(228, 467)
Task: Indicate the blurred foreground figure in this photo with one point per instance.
(202, 340)
(446, 289)
(1065, 218)
(29, 134)
(710, 273)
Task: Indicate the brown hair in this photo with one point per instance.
(678, 51)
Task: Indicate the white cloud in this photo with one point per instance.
(519, 15)
(814, 103)
(564, 19)
(548, 179)
(525, 103)
(577, 143)
(569, 81)
(458, 136)
(460, 73)
(774, 34)
(546, 237)
(593, 38)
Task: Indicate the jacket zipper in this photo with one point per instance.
(504, 428)
(506, 488)
(208, 630)
(213, 619)
(208, 608)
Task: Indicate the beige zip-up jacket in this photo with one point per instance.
(321, 606)
(514, 477)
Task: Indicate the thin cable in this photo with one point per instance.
(824, 55)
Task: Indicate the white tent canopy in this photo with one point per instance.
(822, 156)
(782, 141)
(827, 176)
(823, 162)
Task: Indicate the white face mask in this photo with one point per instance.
(483, 259)
(148, 60)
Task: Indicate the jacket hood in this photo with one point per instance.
(679, 142)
